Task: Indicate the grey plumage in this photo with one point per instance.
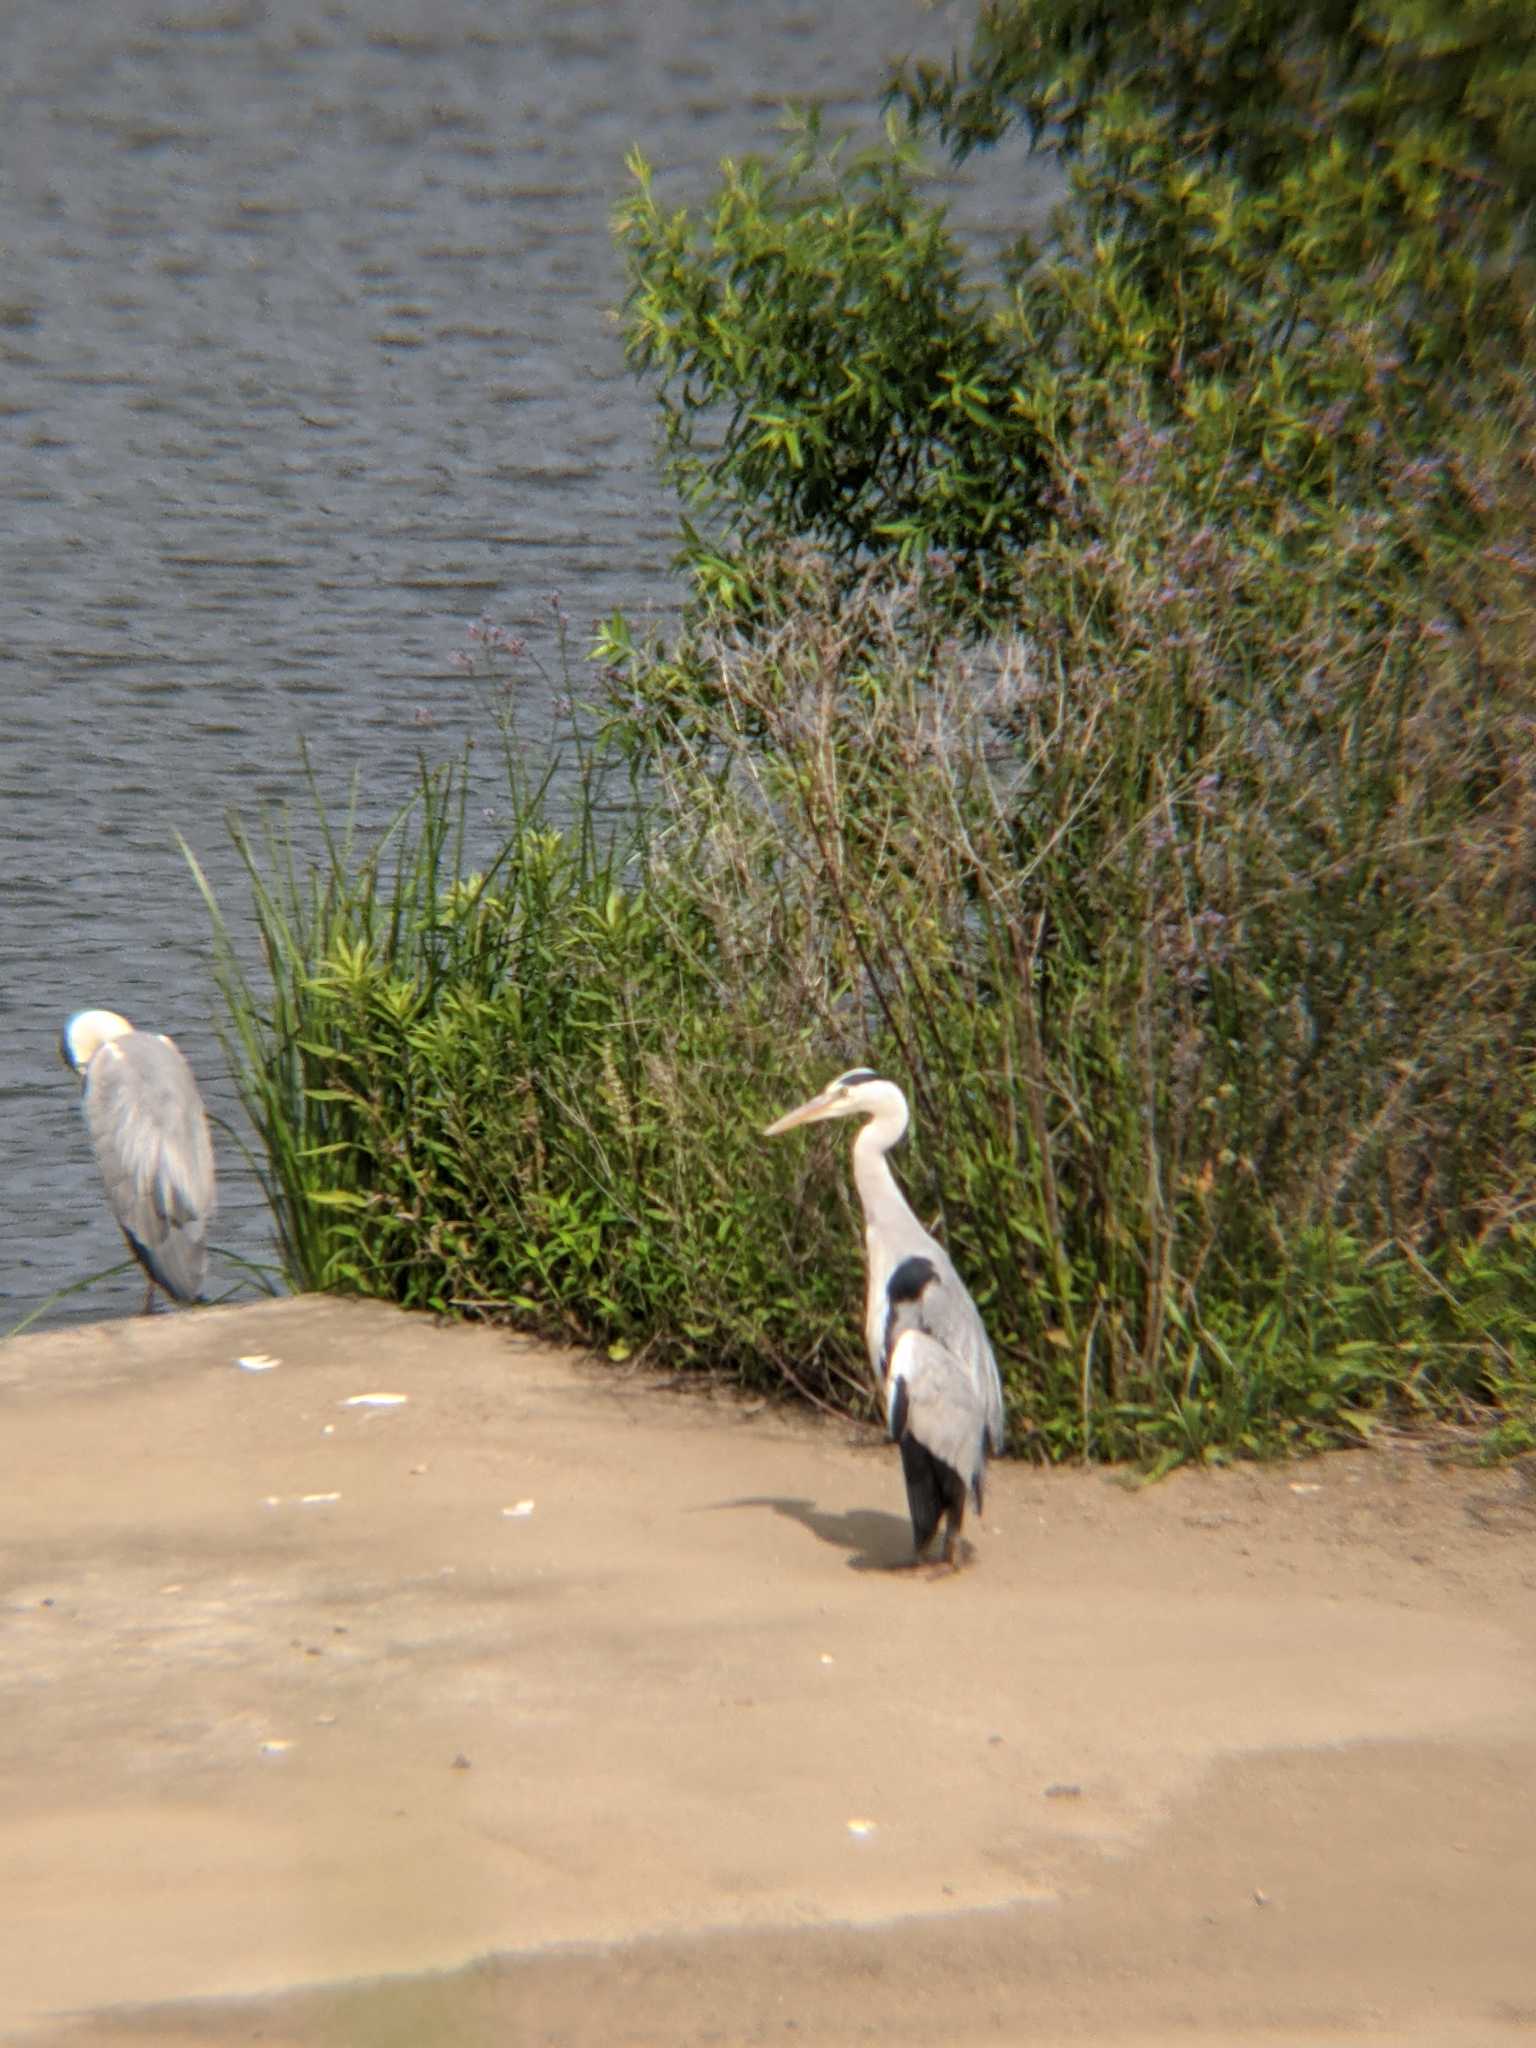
(147, 1124)
(931, 1409)
(925, 1337)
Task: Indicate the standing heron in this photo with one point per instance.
(924, 1334)
(148, 1126)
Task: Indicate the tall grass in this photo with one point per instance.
(516, 1091)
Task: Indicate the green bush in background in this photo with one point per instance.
(1295, 232)
(1105, 705)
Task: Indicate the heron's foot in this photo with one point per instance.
(957, 1553)
(936, 1568)
(940, 1565)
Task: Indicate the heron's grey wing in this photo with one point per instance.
(932, 1397)
(146, 1121)
(948, 1313)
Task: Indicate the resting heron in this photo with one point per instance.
(148, 1126)
(924, 1334)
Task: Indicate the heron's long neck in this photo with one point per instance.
(882, 1201)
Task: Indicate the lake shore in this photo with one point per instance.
(555, 1703)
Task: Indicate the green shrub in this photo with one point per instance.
(827, 369)
(1295, 234)
(1107, 707)
(1214, 1011)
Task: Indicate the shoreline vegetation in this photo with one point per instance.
(1105, 702)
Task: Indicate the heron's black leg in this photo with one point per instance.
(934, 1492)
(954, 1546)
(925, 1491)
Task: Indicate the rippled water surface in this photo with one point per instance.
(305, 318)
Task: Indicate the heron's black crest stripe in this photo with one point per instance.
(905, 1285)
(855, 1075)
(910, 1278)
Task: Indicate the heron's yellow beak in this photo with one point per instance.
(819, 1106)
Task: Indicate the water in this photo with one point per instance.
(305, 320)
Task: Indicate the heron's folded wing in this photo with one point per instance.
(947, 1312)
(146, 1122)
(936, 1400)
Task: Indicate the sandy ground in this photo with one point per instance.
(549, 1706)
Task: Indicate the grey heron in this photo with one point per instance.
(924, 1334)
(147, 1123)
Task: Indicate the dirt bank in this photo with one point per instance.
(582, 1711)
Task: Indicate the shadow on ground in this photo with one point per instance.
(875, 1542)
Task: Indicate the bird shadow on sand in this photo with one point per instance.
(875, 1542)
